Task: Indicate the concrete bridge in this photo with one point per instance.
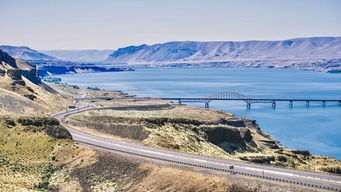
(232, 96)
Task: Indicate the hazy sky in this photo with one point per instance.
(110, 24)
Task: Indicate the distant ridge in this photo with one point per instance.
(86, 56)
(312, 53)
(222, 51)
(26, 53)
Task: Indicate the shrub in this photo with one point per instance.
(37, 121)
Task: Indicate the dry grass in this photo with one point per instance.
(32, 161)
(180, 111)
(185, 137)
(109, 172)
(67, 90)
(24, 156)
(12, 100)
(168, 179)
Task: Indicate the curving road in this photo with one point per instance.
(318, 180)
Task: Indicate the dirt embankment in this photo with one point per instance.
(32, 159)
(199, 131)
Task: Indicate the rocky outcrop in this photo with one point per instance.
(58, 132)
(4, 57)
(231, 139)
(217, 135)
(14, 74)
(32, 75)
(37, 121)
(234, 123)
(16, 69)
(270, 143)
(300, 152)
(246, 134)
(2, 72)
(334, 170)
(259, 159)
(49, 125)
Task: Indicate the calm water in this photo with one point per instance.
(317, 128)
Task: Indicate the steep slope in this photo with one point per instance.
(82, 56)
(22, 91)
(275, 52)
(26, 53)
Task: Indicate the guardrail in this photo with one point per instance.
(291, 181)
(220, 169)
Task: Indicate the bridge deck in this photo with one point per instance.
(248, 99)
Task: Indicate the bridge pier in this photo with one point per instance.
(230, 96)
(291, 104)
(323, 103)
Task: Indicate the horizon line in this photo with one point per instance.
(111, 49)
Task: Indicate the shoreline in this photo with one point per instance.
(93, 116)
(255, 112)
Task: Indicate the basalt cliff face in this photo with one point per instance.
(62, 65)
(22, 91)
(16, 69)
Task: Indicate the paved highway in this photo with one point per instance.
(318, 180)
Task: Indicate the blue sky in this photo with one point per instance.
(110, 24)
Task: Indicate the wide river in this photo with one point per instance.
(315, 128)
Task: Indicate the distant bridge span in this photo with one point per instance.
(233, 96)
(226, 96)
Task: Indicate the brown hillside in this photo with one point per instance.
(21, 90)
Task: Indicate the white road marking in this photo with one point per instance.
(60, 116)
(209, 162)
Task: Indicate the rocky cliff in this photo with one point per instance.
(22, 91)
(16, 69)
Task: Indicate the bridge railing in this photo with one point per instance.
(246, 99)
